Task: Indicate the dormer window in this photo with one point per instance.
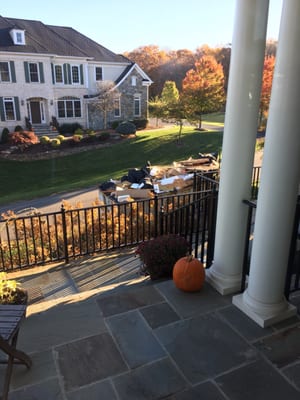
(18, 36)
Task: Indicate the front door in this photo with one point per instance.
(35, 111)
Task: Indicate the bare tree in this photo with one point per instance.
(105, 100)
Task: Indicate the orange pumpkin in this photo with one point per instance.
(188, 274)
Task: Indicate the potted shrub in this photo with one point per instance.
(11, 292)
(159, 255)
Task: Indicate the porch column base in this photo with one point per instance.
(224, 284)
(261, 313)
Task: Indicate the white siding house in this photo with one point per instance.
(50, 71)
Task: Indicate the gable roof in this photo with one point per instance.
(54, 40)
(127, 71)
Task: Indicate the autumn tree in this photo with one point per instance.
(150, 58)
(203, 89)
(169, 106)
(267, 79)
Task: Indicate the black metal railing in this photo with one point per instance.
(292, 282)
(36, 239)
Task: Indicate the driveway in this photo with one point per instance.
(53, 202)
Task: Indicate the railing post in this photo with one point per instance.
(161, 220)
(211, 227)
(292, 255)
(245, 270)
(64, 229)
(155, 215)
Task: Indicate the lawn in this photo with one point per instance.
(22, 180)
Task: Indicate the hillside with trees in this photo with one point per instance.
(184, 67)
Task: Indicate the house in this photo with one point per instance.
(51, 71)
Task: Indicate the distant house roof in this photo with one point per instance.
(56, 40)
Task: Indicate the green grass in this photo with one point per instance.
(22, 180)
(214, 118)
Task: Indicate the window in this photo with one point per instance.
(18, 36)
(59, 78)
(69, 108)
(133, 80)
(75, 74)
(33, 72)
(117, 107)
(99, 74)
(4, 72)
(137, 106)
(9, 109)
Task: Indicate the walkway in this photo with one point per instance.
(96, 329)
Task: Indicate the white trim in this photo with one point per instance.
(139, 70)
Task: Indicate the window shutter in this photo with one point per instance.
(26, 71)
(69, 73)
(17, 108)
(81, 74)
(65, 74)
(12, 71)
(52, 73)
(2, 115)
(41, 69)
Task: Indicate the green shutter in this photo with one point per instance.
(52, 72)
(81, 74)
(69, 73)
(17, 108)
(65, 74)
(12, 71)
(26, 69)
(41, 69)
(2, 115)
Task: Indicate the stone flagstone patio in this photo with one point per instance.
(107, 333)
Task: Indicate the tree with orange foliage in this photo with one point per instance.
(203, 89)
(267, 79)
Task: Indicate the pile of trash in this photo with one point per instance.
(149, 180)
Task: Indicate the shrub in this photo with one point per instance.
(78, 131)
(55, 142)
(5, 135)
(24, 137)
(140, 123)
(104, 136)
(44, 139)
(90, 132)
(11, 291)
(115, 124)
(61, 138)
(18, 128)
(126, 128)
(69, 128)
(77, 137)
(160, 254)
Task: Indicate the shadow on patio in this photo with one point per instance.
(97, 329)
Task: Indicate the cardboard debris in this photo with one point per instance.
(145, 182)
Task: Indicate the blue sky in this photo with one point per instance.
(124, 25)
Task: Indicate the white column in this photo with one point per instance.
(264, 300)
(241, 120)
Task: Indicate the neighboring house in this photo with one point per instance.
(51, 71)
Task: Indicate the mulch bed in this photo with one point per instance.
(41, 151)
